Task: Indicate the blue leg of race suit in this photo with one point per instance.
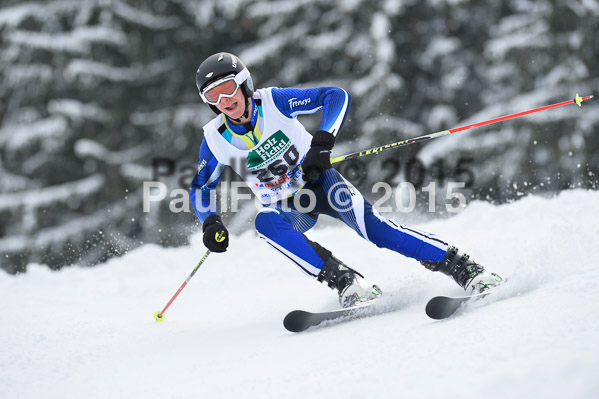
(277, 228)
(347, 204)
(282, 227)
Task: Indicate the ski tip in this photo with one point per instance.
(433, 310)
(294, 322)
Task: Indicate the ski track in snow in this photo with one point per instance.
(89, 332)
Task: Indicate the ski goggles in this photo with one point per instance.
(224, 87)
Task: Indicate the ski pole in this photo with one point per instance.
(577, 100)
(159, 316)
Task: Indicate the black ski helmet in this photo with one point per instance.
(219, 65)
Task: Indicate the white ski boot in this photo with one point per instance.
(353, 289)
(482, 281)
(469, 275)
(358, 291)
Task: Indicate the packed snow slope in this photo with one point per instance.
(90, 332)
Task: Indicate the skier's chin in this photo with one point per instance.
(234, 111)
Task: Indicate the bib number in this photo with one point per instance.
(278, 167)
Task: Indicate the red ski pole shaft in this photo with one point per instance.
(577, 100)
(159, 316)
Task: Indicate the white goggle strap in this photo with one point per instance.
(242, 76)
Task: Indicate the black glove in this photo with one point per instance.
(216, 236)
(318, 157)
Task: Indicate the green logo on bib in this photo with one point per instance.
(269, 150)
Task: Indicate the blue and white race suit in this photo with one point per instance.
(268, 153)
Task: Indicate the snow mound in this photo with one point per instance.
(89, 332)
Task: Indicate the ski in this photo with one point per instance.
(301, 320)
(442, 307)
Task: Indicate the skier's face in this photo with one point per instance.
(233, 107)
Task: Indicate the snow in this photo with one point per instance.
(17, 137)
(18, 75)
(78, 110)
(77, 41)
(89, 332)
(535, 34)
(144, 18)
(270, 8)
(251, 55)
(14, 15)
(442, 116)
(76, 228)
(438, 48)
(571, 70)
(87, 186)
(403, 128)
(138, 73)
(90, 148)
(325, 42)
(584, 7)
(384, 46)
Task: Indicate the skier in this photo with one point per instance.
(256, 133)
